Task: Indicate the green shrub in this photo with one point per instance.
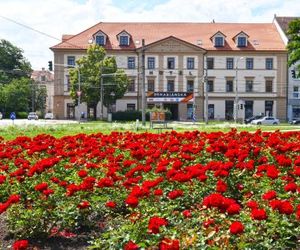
(22, 115)
(128, 115)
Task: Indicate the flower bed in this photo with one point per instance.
(187, 190)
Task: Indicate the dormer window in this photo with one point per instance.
(124, 40)
(100, 40)
(219, 41)
(242, 41)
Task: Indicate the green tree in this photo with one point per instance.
(15, 96)
(38, 95)
(92, 67)
(294, 43)
(12, 62)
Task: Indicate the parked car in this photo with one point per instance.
(32, 116)
(250, 119)
(267, 120)
(49, 116)
(295, 121)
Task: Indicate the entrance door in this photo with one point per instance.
(248, 109)
(70, 111)
(173, 109)
(211, 111)
(229, 110)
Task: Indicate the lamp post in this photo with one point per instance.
(236, 90)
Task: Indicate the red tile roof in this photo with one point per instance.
(262, 36)
(284, 21)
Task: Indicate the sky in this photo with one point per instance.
(57, 17)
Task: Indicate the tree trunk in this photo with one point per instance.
(95, 112)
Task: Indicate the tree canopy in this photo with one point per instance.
(294, 43)
(92, 67)
(12, 62)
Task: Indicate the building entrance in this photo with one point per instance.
(173, 107)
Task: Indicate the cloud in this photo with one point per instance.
(57, 17)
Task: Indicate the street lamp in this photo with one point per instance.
(236, 90)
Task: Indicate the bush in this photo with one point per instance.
(128, 115)
(22, 115)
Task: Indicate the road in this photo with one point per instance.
(41, 122)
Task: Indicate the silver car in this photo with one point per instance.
(32, 116)
(267, 120)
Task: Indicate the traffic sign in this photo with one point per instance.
(12, 115)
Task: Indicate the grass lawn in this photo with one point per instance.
(11, 132)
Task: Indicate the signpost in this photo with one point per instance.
(12, 116)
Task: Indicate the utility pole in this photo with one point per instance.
(79, 95)
(143, 85)
(101, 97)
(205, 84)
(236, 99)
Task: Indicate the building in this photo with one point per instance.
(244, 66)
(282, 24)
(45, 78)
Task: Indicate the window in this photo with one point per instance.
(229, 105)
(219, 41)
(248, 109)
(43, 78)
(71, 60)
(151, 63)
(229, 63)
(130, 106)
(269, 86)
(269, 63)
(211, 111)
(100, 40)
(190, 86)
(171, 62)
(249, 63)
(124, 40)
(242, 41)
(210, 86)
(131, 62)
(296, 92)
(170, 86)
(131, 85)
(190, 63)
(210, 63)
(68, 83)
(249, 85)
(151, 86)
(229, 86)
(269, 108)
(190, 111)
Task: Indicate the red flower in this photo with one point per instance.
(110, 204)
(82, 173)
(174, 194)
(272, 172)
(14, 198)
(41, 186)
(187, 213)
(131, 246)
(221, 186)
(208, 222)
(269, 195)
(48, 191)
(233, 209)
(132, 201)
(290, 187)
(155, 223)
(2, 179)
(252, 204)
(83, 205)
(169, 244)
(286, 208)
(158, 192)
(259, 214)
(236, 227)
(20, 245)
